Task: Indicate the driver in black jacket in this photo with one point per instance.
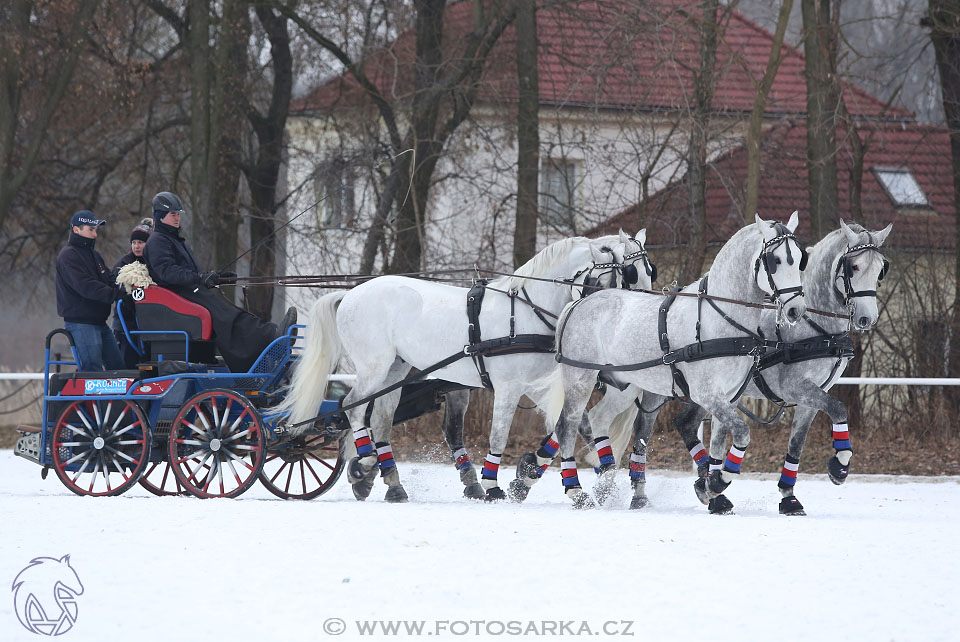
(240, 336)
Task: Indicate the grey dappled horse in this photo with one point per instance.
(390, 324)
(844, 272)
(618, 332)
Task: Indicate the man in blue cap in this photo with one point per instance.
(86, 290)
(240, 336)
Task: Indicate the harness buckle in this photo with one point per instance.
(667, 354)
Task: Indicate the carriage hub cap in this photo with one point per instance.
(98, 443)
(214, 445)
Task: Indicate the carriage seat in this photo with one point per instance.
(159, 309)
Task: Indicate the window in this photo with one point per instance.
(901, 187)
(558, 193)
(334, 193)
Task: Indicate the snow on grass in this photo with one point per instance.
(875, 559)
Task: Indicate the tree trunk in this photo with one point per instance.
(759, 107)
(945, 33)
(528, 135)
(823, 98)
(263, 179)
(699, 136)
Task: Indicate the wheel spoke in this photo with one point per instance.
(235, 458)
(197, 429)
(85, 453)
(216, 417)
(286, 488)
(322, 461)
(78, 431)
(226, 417)
(126, 429)
(203, 419)
(85, 420)
(93, 477)
(96, 413)
(277, 474)
(193, 473)
(303, 477)
(220, 476)
(235, 475)
(312, 471)
(123, 454)
(123, 413)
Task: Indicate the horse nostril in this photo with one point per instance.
(793, 314)
(864, 322)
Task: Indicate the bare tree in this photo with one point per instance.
(823, 106)
(528, 134)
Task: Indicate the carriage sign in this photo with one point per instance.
(45, 595)
(105, 386)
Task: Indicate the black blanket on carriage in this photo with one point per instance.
(240, 336)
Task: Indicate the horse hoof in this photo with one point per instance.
(720, 505)
(495, 494)
(639, 502)
(356, 473)
(581, 500)
(837, 471)
(700, 488)
(791, 506)
(361, 490)
(527, 467)
(473, 491)
(396, 495)
(716, 484)
(518, 491)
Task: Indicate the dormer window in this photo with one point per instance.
(902, 188)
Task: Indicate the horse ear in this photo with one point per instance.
(852, 237)
(881, 236)
(623, 236)
(65, 559)
(765, 230)
(793, 222)
(641, 237)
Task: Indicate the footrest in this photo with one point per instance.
(28, 447)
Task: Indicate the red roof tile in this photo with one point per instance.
(924, 150)
(612, 54)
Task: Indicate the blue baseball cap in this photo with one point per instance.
(85, 217)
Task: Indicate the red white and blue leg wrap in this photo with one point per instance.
(734, 459)
(385, 456)
(841, 437)
(604, 451)
(788, 476)
(699, 454)
(568, 473)
(491, 465)
(547, 451)
(638, 467)
(362, 439)
(461, 458)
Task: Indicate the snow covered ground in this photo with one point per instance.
(875, 559)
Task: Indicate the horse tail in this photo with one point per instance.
(548, 392)
(319, 359)
(621, 430)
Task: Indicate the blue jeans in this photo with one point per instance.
(96, 346)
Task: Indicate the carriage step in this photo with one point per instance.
(24, 430)
(28, 447)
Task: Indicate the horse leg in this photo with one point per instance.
(578, 385)
(504, 405)
(722, 474)
(454, 408)
(802, 418)
(604, 416)
(648, 407)
(372, 436)
(531, 466)
(687, 424)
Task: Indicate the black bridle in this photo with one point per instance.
(767, 259)
(628, 269)
(845, 269)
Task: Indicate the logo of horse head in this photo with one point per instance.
(45, 595)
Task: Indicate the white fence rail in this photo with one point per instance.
(860, 381)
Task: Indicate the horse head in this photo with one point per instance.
(638, 271)
(778, 267)
(858, 273)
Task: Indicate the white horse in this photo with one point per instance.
(842, 279)
(391, 324)
(701, 345)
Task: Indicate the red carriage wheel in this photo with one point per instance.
(100, 446)
(159, 479)
(303, 468)
(217, 444)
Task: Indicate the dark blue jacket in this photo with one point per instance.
(170, 261)
(86, 289)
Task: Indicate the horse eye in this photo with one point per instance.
(856, 268)
(778, 260)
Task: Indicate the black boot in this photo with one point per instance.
(289, 319)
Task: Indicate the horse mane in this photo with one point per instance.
(541, 262)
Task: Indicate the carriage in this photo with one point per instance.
(182, 422)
